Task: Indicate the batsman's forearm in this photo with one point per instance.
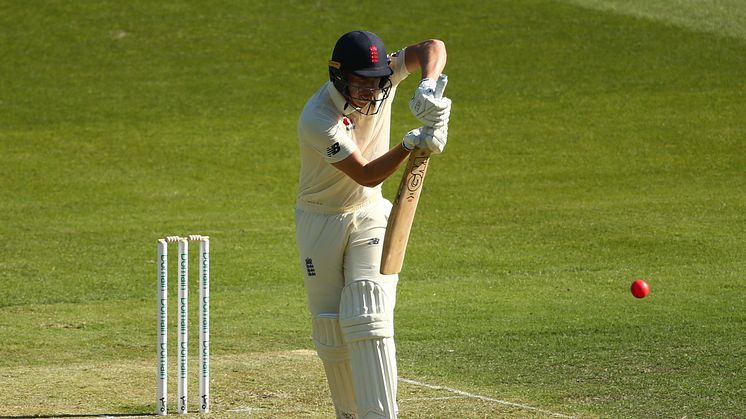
(383, 167)
(429, 56)
(371, 173)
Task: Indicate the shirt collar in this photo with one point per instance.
(339, 101)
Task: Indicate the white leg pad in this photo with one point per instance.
(367, 322)
(330, 345)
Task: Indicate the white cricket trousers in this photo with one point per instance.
(336, 249)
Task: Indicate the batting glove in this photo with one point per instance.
(431, 111)
(434, 139)
(412, 139)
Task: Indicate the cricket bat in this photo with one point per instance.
(405, 204)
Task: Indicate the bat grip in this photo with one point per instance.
(440, 85)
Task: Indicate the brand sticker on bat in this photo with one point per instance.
(417, 174)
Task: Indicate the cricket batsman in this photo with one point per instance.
(341, 214)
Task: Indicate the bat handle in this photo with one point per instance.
(440, 85)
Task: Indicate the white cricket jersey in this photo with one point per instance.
(329, 131)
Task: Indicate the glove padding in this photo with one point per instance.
(431, 111)
(412, 139)
(433, 139)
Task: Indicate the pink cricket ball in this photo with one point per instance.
(640, 288)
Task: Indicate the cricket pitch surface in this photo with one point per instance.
(268, 385)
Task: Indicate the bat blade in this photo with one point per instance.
(402, 214)
(405, 204)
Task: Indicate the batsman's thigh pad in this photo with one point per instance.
(365, 246)
(367, 323)
(330, 345)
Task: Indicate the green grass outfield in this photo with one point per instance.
(592, 142)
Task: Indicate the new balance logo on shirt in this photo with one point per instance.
(333, 149)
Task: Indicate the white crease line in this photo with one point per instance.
(427, 399)
(483, 398)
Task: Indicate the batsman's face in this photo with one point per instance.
(363, 89)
